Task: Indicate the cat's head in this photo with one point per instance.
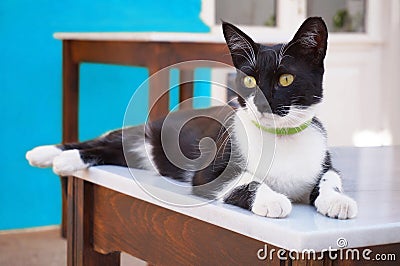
(282, 83)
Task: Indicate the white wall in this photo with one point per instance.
(362, 81)
(361, 92)
(390, 64)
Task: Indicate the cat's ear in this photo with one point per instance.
(243, 49)
(310, 41)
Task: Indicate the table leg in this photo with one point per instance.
(186, 89)
(159, 92)
(80, 250)
(69, 114)
(64, 207)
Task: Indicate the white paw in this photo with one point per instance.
(336, 205)
(68, 162)
(42, 156)
(270, 203)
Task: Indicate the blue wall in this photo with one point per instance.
(30, 85)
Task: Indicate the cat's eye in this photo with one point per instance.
(286, 79)
(249, 82)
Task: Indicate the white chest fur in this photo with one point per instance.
(288, 164)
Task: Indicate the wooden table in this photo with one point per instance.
(113, 213)
(108, 212)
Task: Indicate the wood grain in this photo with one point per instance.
(159, 90)
(70, 103)
(80, 221)
(140, 53)
(186, 88)
(163, 237)
(70, 94)
(153, 55)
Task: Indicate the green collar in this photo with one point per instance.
(283, 131)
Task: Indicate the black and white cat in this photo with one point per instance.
(274, 152)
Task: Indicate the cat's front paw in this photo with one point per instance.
(68, 162)
(270, 203)
(43, 156)
(336, 205)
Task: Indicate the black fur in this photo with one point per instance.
(302, 57)
(317, 123)
(106, 149)
(303, 61)
(327, 165)
(224, 166)
(243, 196)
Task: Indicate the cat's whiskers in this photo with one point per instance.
(290, 120)
(224, 143)
(222, 131)
(317, 97)
(297, 117)
(227, 130)
(224, 146)
(226, 136)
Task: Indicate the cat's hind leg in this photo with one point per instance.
(68, 162)
(71, 161)
(96, 152)
(43, 156)
(107, 149)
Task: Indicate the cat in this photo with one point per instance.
(269, 152)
